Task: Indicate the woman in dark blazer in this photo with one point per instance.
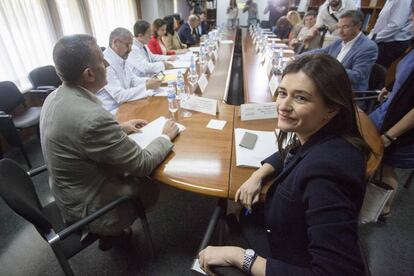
(310, 219)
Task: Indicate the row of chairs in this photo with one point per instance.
(44, 80)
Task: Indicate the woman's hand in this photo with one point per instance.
(220, 256)
(383, 94)
(249, 192)
(385, 141)
(133, 126)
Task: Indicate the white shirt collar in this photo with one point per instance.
(138, 43)
(114, 58)
(351, 42)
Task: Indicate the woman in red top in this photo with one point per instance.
(156, 45)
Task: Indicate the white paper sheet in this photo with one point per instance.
(175, 71)
(265, 146)
(216, 124)
(186, 57)
(151, 131)
(194, 49)
(226, 42)
(181, 64)
(160, 92)
(196, 264)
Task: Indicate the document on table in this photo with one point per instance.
(151, 131)
(265, 146)
(180, 63)
(186, 57)
(194, 49)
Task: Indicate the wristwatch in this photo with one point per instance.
(248, 260)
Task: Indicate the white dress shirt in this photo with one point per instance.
(393, 23)
(123, 85)
(346, 47)
(144, 62)
(324, 15)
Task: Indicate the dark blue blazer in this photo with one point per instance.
(186, 37)
(311, 210)
(358, 61)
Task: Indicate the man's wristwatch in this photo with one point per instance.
(248, 260)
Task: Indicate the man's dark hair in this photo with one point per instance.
(72, 55)
(141, 27)
(356, 16)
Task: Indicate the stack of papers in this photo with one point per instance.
(266, 145)
(151, 131)
(171, 75)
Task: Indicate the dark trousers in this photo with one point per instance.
(388, 52)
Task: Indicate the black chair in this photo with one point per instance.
(44, 79)
(10, 98)
(17, 190)
(368, 99)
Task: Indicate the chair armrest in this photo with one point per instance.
(88, 219)
(372, 92)
(37, 170)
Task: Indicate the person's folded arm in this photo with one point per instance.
(140, 63)
(121, 95)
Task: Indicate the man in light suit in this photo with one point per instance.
(90, 159)
(146, 63)
(187, 31)
(354, 50)
(123, 85)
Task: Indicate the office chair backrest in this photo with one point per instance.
(10, 96)
(44, 76)
(8, 130)
(377, 77)
(17, 190)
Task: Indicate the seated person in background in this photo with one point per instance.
(88, 153)
(354, 50)
(187, 32)
(309, 223)
(156, 45)
(282, 28)
(178, 21)
(123, 85)
(203, 27)
(145, 63)
(307, 35)
(296, 21)
(394, 118)
(328, 17)
(171, 39)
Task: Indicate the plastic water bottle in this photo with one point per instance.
(192, 66)
(172, 98)
(180, 85)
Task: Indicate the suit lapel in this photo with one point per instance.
(351, 52)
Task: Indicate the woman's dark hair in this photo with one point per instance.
(283, 27)
(177, 17)
(334, 86)
(169, 19)
(158, 23)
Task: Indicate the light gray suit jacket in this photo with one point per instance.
(88, 157)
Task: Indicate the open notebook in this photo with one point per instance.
(151, 131)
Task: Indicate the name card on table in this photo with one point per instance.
(215, 55)
(202, 82)
(269, 67)
(274, 83)
(200, 104)
(210, 66)
(258, 111)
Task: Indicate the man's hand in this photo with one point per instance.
(133, 126)
(170, 129)
(168, 65)
(153, 83)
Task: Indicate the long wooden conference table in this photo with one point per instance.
(203, 160)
